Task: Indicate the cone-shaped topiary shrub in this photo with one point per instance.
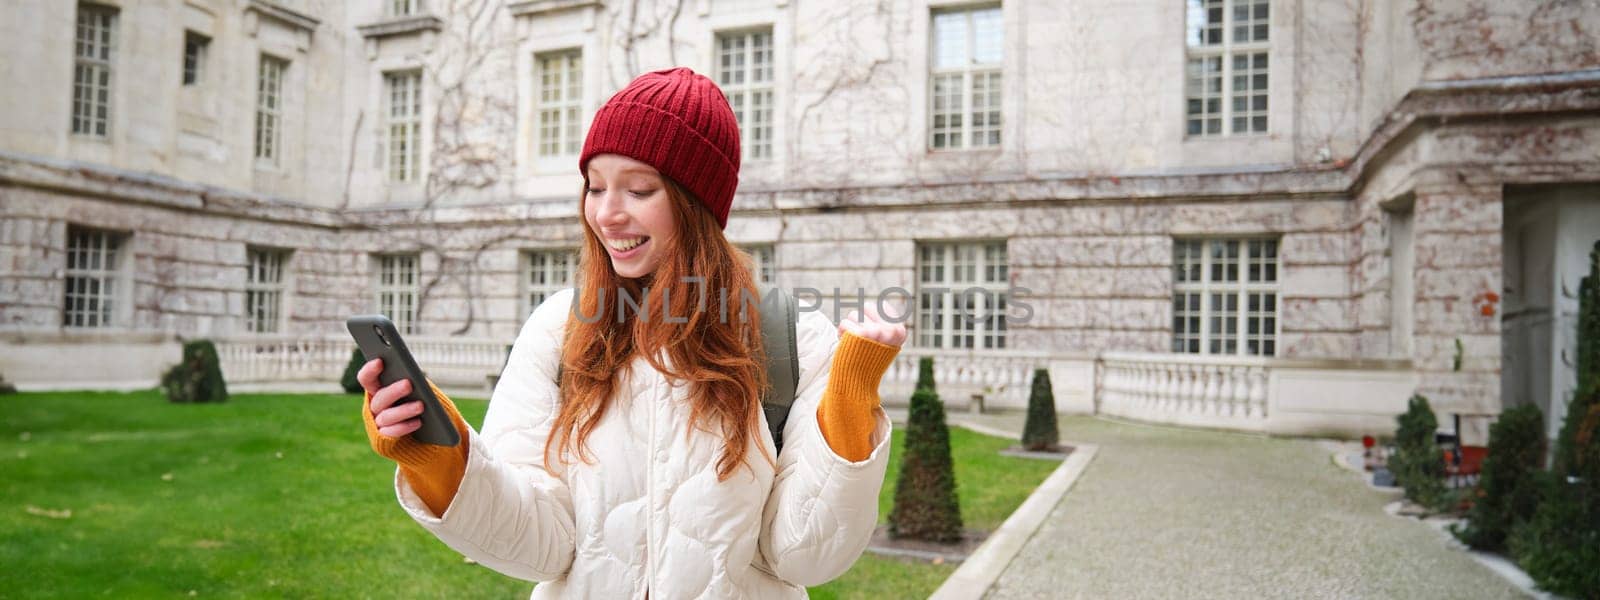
(349, 380)
(925, 374)
(197, 377)
(1039, 433)
(1418, 463)
(925, 504)
(1508, 489)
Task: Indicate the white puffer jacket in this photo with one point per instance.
(648, 515)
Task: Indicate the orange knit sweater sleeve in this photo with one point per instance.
(434, 472)
(848, 411)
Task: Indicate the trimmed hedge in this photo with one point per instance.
(1418, 463)
(1508, 489)
(197, 377)
(349, 382)
(1040, 433)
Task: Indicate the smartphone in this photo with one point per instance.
(377, 337)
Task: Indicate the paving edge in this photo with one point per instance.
(980, 570)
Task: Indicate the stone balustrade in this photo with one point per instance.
(261, 359)
(1274, 395)
(1002, 377)
(1185, 389)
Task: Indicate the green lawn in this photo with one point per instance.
(109, 494)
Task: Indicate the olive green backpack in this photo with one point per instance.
(779, 311)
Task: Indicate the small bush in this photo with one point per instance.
(1561, 546)
(1418, 464)
(925, 504)
(1508, 489)
(1040, 433)
(349, 381)
(197, 377)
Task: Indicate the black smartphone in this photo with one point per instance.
(378, 338)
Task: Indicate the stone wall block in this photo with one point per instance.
(1445, 250)
(1316, 314)
(1458, 210)
(1137, 282)
(1315, 281)
(1316, 345)
(1452, 317)
(1319, 248)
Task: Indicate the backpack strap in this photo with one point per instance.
(778, 315)
(779, 311)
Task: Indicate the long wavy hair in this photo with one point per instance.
(721, 358)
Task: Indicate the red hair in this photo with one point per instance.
(721, 358)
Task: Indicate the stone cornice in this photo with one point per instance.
(534, 8)
(283, 15)
(409, 24)
(1436, 102)
(87, 179)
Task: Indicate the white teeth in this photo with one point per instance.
(624, 245)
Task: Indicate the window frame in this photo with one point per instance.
(566, 105)
(969, 74)
(270, 73)
(402, 8)
(269, 292)
(544, 263)
(196, 47)
(1227, 51)
(105, 246)
(765, 257)
(751, 87)
(388, 270)
(988, 273)
(93, 70)
(1206, 290)
(402, 115)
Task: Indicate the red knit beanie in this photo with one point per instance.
(678, 122)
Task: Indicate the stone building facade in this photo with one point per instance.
(1276, 215)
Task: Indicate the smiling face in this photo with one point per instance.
(627, 207)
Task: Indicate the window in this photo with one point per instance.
(194, 56)
(765, 265)
(1225, 297)
(546, 272)
(962, 290)
(744, 70)
(263, 296)
(403, 91)
(269, 108)
(91, 70)
(1225, 85)
(397, 289)
(400, 8)
(1402, 285)
(968, 46)
(91, 277)
(558, 105)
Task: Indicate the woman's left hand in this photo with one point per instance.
(873, 326)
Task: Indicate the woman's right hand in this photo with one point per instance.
(392, 421)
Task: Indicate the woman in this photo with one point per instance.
(625, 453)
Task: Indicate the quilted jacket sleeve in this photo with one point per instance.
(511, 513)
(823, 508)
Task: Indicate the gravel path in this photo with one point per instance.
(1174, 513)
